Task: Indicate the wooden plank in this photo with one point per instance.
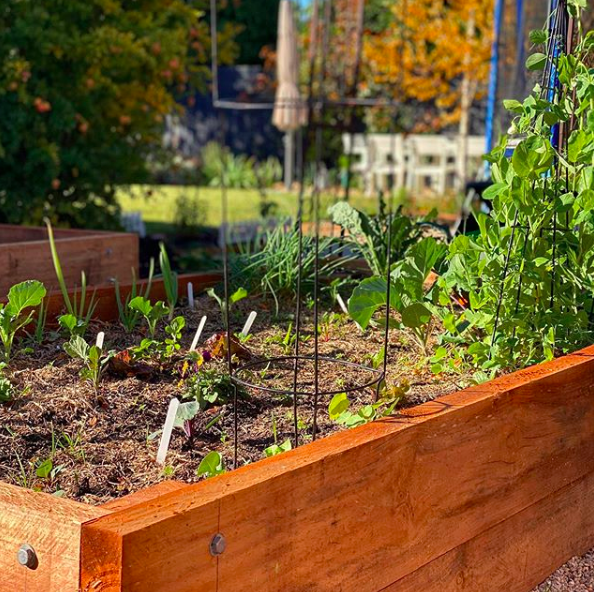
(101, 256)
(360, 510)
(143, 495)
(517, 554)
(52, 527)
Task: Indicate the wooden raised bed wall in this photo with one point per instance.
(25, 255)
(484, 490)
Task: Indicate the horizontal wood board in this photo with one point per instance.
(101, 255)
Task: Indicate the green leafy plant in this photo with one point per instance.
(152, 314)
(6, 387)
(270, 265)
(169, 280)
(174, 334)
(340, 411)
(238, 295)
(409, 293)
(13, 317)
(367, 235)
(527, 278)
(130, 318)
(40, 323)
(208, 387)
(92, 357)
(276, 448)
(78, 306)
(88, 116)
(211, 465)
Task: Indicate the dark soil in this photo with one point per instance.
(102, 444)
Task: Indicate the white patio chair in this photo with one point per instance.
(432, 164)
(390, 160)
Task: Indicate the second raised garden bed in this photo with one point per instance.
(25, 254)
(489, 489)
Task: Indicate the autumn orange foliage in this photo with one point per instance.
(426, 56)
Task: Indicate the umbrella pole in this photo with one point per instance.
(289, 143)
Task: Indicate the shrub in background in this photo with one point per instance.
(84, 88)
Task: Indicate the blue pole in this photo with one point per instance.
(492, 100)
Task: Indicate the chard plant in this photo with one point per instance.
(79, 310)
(92, 357)
(13, 316)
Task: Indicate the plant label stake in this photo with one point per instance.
(167, 429)
(248, 324)
(191, 295)
(198, 333)
(100, 339)
(341, 303)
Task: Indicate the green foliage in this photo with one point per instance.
(209, 387)
(238, 295)
(152, 314)
(77, 320)
(169, 279)
(6, 387)
(528, 276)
(85, 86)
(211, 465)
(367, 235)
(21, 297)
(92, 357)
(339, 408)
(271, 266)
(408, 295)
(129, 318)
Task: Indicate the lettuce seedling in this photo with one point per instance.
(152, 313)
(92, 357)
(22, 296)
(211, 465)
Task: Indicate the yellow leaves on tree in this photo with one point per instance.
(437, 52)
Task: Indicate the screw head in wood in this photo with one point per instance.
(27, 557)
(218, 544)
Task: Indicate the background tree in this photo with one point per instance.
(436, 53)
(84, 89)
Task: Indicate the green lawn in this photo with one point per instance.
(159, 203)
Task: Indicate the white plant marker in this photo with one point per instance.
(191, 295)
(100, 339)
(341, 303)
(248, 324)
(198, 333)
(167, 429)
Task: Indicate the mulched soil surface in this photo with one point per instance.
(100, 443)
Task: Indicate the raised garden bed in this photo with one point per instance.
(489, 488)
(25, 254)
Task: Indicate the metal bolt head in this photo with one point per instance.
(218, 544)
(27, 557)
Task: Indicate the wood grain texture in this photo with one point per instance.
(517, 554)
(52, 527)
(363, 509)
(102, 256)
